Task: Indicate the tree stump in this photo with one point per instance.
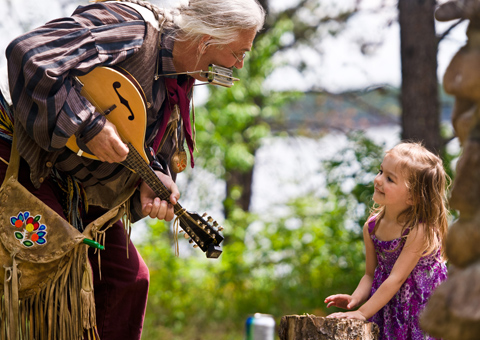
(311, 327)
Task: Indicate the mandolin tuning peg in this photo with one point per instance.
(220, 228)
(190, 241)
(180, 231)
(204, 214)
(215, 223)
(210, 219)
(195, 246)
(186, 236)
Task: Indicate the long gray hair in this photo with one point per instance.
(223, 20)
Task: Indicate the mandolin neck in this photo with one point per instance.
(206, 237)
(136, 163)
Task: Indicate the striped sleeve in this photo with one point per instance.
(41, 64)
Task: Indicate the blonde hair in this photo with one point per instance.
(427, 184)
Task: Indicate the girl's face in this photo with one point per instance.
(390, 185)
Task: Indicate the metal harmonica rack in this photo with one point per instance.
(215, 75)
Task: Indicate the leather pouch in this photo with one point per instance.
(47, 277)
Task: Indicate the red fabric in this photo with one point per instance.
(177, 95)
(121, 295)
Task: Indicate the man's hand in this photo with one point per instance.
(108, 146)
(152, 205)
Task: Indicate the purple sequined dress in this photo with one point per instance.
(398, 319)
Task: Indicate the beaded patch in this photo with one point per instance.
(32, 233)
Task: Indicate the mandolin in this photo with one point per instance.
(118, 96)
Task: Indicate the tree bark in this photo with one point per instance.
(243, 182)
(310, 327)
(419, 97)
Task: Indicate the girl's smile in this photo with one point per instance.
(378, 190)
(390, 185)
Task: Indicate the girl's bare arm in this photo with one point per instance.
(406, 262)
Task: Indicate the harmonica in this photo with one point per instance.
(216, 75)
(219, 75)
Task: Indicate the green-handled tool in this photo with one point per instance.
(93, 243)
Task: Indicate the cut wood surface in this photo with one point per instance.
(311, 327)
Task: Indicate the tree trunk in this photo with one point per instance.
(419, 98)
(239, 190)
(303, 327)
(264, 4)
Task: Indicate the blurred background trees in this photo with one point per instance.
(287, 250)
(287, 259)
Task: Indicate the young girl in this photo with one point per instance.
(403, 242)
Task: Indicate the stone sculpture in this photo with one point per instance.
(453, 311)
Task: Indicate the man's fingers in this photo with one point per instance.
(121, 151)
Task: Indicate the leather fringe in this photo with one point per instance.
(127, 224)
(63, 309)
(88, 298)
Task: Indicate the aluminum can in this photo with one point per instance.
(260, 327)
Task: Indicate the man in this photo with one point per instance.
(164, 51)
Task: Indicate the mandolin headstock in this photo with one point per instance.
(203, 231)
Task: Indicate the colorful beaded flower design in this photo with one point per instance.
(32, 233)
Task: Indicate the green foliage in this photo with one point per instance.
(232, 124)
(276, 264)
(352, 171)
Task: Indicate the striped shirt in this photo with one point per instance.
(47, 102)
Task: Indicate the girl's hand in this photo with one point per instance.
(152, 205)
(348, 315)
(344, 301)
